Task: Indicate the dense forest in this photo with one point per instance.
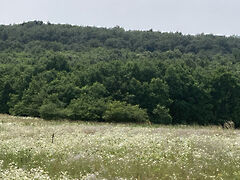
(112, 75)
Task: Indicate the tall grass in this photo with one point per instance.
(111, 151)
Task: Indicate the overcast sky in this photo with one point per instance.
(187, 16)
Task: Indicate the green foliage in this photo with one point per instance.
(66, 37)
(57, 62)
(5, 90)
(83, 73)
(161, 115)
(90, 104)
(52, 108)
(122, 112)
(86, 108)
(226, 97)
(50, 111)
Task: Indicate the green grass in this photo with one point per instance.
(115, 151)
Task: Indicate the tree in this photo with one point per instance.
(226, 96)
(86, 108)
(90, 104)
(52, 108)
(117, 111)
(161, 115)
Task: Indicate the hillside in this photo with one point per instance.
(112, 75)
(57, 37)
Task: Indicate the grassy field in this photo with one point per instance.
(80, 150)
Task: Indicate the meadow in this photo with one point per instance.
(31, 148)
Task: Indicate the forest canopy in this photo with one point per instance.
(58, 71)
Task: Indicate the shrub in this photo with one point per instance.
(161, 115)
(52, 108)
(86, 108)
(51, 111)
(122, 112)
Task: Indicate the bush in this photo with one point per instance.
(122, 112)
(161, 115)
(52, 108)
(86, 108)
(51, 111)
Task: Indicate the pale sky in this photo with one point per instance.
(219, 17)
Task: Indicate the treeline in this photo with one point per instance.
(35, 36)
(62, 71)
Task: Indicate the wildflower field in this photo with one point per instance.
(32, 148)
